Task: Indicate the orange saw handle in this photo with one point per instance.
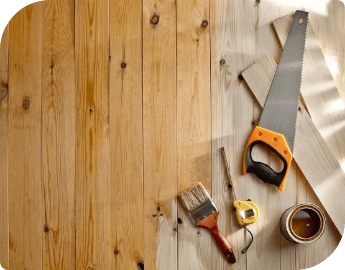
(276, 143)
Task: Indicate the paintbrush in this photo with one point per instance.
(204, 213)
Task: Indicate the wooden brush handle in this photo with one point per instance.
(211, 223)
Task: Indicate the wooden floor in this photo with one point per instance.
(110, 108)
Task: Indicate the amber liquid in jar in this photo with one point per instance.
(306, 223)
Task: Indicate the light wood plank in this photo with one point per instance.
(319, 90)
(58, 136)
(126, 144)
(92, 153)
(25, 195)
(311, 152)
(294, 256)
(241, 33)
(193, 125)
(4, 149)
(159, 121)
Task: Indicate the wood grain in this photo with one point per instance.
(128, 120)
(92, 135)
(318, 164)
(193, 125)
(4, 149)
(25, 195)
(159, 122)
(126, 133)
(319, 90)
(58, 136)
(237, 42)
(297, 191)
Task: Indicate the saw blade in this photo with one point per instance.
(280, 110)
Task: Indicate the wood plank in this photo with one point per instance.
(319, 90)
(159, 122)
(58, 142)
(25, 196)
(126, 131)
(240, 33)
(318, 164)
(4, 251)
(92, 152)
(193, 125)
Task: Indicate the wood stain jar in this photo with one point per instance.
(303, 224)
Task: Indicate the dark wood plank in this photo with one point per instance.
(58, 136)
(25, 195)
(126, 133)
(92, 127)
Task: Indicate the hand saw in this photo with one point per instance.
(276, 129)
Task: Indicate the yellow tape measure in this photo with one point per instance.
(247, 212)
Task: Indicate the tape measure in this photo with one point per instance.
(247, 212)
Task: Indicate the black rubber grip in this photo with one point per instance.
(262, 170)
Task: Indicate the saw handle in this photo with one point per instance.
(276, 143)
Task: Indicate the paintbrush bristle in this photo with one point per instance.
(198, 203)
(193, 197)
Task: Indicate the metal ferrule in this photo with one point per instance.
(203, 211)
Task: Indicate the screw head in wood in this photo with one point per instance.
(259, 133)
(123, 65)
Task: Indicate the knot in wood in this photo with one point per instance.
(141, 266)
(26, 104)
(3, 92)
(222, 62)
(123, 65)
(204, 24)
(154, 19)
(258, 1)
